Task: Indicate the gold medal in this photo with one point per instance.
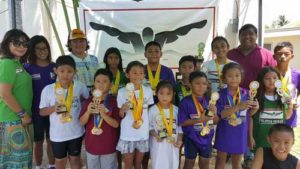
(171, 140)
(65, 118)
(137, 124)
(205, 130)
(97, 131)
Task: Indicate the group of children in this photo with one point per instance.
(121, 111)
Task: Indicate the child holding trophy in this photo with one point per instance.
(197, 122)
(234, 110)
(100, 114)
(61, 101)
(165, 132)
(133, 101)
(290, 77)
(271, 108)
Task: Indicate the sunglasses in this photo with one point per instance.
(18, 43)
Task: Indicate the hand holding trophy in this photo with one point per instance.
(61, 107)
(213, 100)
(285, 97)
(97, 118)
(253, 86)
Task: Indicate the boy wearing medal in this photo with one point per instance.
(61, 101)
(154, 70)
(100, 114)
(187, 64)
(197, 126)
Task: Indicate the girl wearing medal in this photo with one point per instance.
(234, 110)
(100, 115)
(133, 101)
(113, 62)
(213, 68)
(196, 125)
(271, 109)
(165, 132)
(61, 101)
(187, 64)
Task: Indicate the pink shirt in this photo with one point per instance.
(252, 63)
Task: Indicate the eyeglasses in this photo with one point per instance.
(18, 43)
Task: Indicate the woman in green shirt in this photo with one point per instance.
(15, 102)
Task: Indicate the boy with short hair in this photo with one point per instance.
(100, 114)
(187, 64)
(154, 70)
(62, 102)
(281, 138)
(283, 54)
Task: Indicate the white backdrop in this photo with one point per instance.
(179, 26)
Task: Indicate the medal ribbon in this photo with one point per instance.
(98, 120)
(69, 96)
(116, 83)
(153, 80)
(169, 126)
(285, 80)
(199, 108)
(138, 105)
(219, 72)
(234, 101)
(184, 91)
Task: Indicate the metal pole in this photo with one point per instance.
(260, 27)
(75, 7)
(66, 15)
(12, 6)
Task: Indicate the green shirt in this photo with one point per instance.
(273, 113)
(12, 72)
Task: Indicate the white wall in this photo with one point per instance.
(4, 18)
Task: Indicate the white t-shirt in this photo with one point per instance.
(128, 133)
(210, 69)
(163, 154)
(60, 132)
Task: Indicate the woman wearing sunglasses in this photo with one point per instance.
(15, 102)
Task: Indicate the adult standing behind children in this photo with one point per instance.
(15, 102)
(249, 55)
(40, 67)
(86, 64)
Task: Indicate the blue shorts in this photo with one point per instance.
(191, 150)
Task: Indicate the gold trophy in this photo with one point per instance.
(205, 130)
(61, 107)
(213, 100)
(285, 97)
(253, 86)
(97, 118)
(292, 92)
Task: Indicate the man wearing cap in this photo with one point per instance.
(86, 64)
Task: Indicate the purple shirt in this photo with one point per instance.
(41, 77)
(231, 139)
(252, 63)
(187, 110)
(165, 74)
(295, 81)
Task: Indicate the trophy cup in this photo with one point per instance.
(285, 97)
(293, 92)
(130, 94)
(61, 107)
(213, 100)
(205, 130)
(97, 118)
(253, 86)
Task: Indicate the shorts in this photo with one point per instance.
(67, 148)
(130, 146)
(191, 150)
(102, 161)
(40, 128)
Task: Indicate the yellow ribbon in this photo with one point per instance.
(153, 81)
(198, 106)
(116, 83)
(219, 72)
(236, 99)
(138, 105)
(169, 126)
(184, 91)
(69, 98)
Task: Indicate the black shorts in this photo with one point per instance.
(67, 148)
(41, 128)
